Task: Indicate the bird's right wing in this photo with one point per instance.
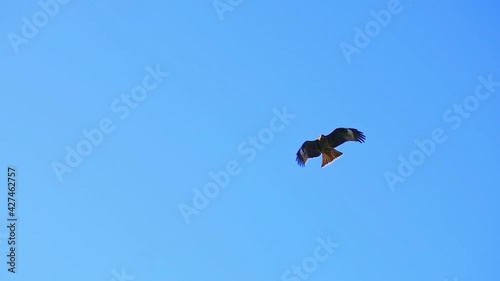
(341, 135)
(309, 149)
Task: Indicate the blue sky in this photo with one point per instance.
(173, 91)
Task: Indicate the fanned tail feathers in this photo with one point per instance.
(329, 155)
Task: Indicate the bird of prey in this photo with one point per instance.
(325, 145)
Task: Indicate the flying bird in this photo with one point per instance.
(325, 145)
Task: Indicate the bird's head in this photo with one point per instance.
(321, 136)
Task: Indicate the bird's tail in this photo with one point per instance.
(329, 155)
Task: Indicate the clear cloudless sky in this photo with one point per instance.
(119, 208)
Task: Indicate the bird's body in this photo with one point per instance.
(325, 145)
(329, 153)
(323, 142)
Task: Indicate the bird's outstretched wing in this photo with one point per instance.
(309, 149)
(341, 135)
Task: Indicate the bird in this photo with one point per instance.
(325, 145)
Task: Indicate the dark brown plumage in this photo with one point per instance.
(325, 145)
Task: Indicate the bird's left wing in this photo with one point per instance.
(341, 135)
(309, 149)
